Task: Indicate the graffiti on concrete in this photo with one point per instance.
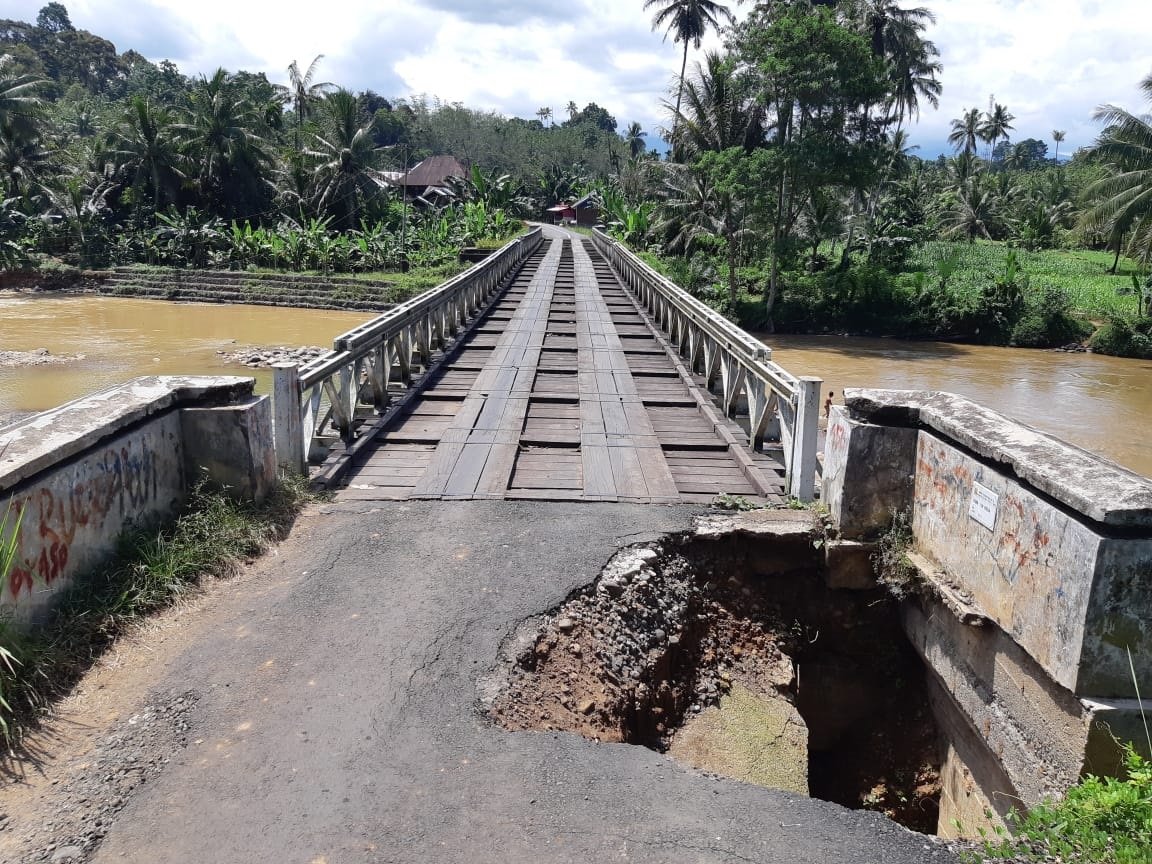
(121, 481)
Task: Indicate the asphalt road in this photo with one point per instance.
(337, 717)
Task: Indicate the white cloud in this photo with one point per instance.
(1050, 61)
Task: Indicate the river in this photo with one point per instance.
(121, 338)
(1101, 403)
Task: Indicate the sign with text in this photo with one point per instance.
(984, 504)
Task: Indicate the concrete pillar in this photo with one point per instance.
(287, 422)
(231, 446)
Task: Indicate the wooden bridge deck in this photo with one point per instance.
(564, 390)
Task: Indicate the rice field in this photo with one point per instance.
(1082, 273)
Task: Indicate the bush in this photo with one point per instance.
(1048, 322)
(1123, 338)
(1102, 820)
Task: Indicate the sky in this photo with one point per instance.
(1051, 62)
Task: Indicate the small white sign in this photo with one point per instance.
(984, 505)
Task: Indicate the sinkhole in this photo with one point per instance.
(730, 651)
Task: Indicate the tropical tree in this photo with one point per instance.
(573, 109)
(145, 148)
(545, 114)
(346, 174)
(24, 161)
(997, 123)
(972, 213)
(303, 92)
(688, 21)
(1058, 137)
(1122, 205)
(20, 101)
(966, 131)
(718, 112)
(896, 34)
(222, 131)
(634, 137)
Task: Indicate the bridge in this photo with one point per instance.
(562, 368)
(578, 404)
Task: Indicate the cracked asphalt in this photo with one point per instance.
(336, 716)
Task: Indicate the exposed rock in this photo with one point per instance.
(36, 357)
(262, 358)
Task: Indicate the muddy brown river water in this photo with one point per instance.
(121, 338)
(1101, 403)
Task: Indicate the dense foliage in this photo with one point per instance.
(109, 158)
(794, 201)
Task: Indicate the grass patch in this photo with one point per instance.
(1081, 273)
(153, 569)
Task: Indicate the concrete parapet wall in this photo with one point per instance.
(1042, 555)
(81, 475)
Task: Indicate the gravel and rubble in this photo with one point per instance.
(83, 804)
(628, 658)
(262, 358)
(35, 357)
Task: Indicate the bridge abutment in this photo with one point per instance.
(1033, 561)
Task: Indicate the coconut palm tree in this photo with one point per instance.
(19, 99)
(346, 176)
(544, 114)
(303, 92)
(896, 34)
(222, 131)
(146, 150)
(966, 131)
(634, 137)
(971, 214)
(716, 112)
(24, 161)
(688, 21)
(1123, 199)
(997, 124)
(572, 110)
(695, 210)
(1058, 137)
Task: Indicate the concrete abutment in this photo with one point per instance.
(1035, 563)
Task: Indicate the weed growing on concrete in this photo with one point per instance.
(153, 569)
(1103, 820)
(893, 568)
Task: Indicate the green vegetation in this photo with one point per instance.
(154, 569)
(108, 159)
(1102, 820)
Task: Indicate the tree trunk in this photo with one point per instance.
(680, 92)
(1116, 260)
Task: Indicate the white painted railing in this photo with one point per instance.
(781, 407)
(318, 403)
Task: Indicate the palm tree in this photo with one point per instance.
(544, 114)
(19, 102)
(634, 137)
(966, 131)
(346, 176)
(1123, 199)
(23, 160)
(1058, 137)
(996, 125)
(913, 67)
(971, 215)
(222, 131)
(716, 112)
(572, 110)
(696, 210)
(144, 146)
(303, 92)
(688, 21)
